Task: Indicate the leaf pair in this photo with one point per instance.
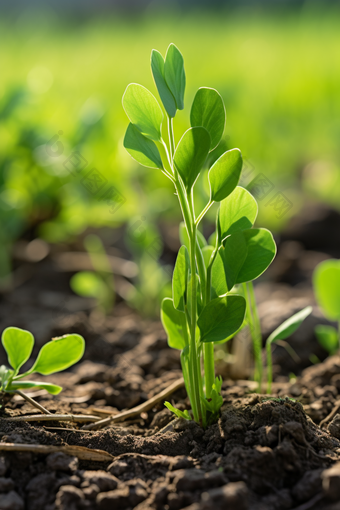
(56, 355)
(169, 76)
(207, 120)
(143, 109)
(243, 257)
(245, 252)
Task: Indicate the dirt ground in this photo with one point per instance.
(273, 452)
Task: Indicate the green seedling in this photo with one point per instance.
(326, 280)
(205, 309)
(99, 283)
(55, 356)
(286, 329)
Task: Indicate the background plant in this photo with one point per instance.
(98, 283)
(326, 280)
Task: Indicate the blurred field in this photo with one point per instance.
(278, 76)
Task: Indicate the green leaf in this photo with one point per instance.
(261, 250)
(326, 281)
(208, 111)
(59, 354)
(225, 174)
(143, 110)
(191, 153)
(174, 324)
(207, 253)
(219, 285)
(157, 67)
(87, 284)
(143, 150)
(174, 74)
(327, 337)
(229, 260)
(288, 327)
(180, 414)
(221, 317)
(54, 389)
(180, 278)
(237, 212)
(18, 344)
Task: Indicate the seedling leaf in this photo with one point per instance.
(143, 110)
(174, 324)
(191, 153)
(54, 389)
(175, 75)
(18, 344)
(225, 174)
(261, 250)
(59, 354)
(157, 67)
(326, 281)
(207, 253)
(237, 212)
(180, 278)
(143, 150)
(221, 318)
(180, 414)
(208, 111)
(288, 327)
(229, 262)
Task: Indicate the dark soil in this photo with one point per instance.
(265, 453)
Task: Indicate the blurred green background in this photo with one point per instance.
(277, 70)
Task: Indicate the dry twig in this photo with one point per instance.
(136, 411)
(33, 402)
(81, 452)
(80, 418)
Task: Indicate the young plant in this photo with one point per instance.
(286, 329)
(205, 308)
(55, 356)
(326, 280)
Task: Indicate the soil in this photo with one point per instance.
(273, 452)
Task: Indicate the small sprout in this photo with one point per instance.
(180, 414)
(286, 329)
(99, 283)
(57, 355)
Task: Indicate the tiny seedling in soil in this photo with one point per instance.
(212, 290)
(55, 356)
(99, 283)
(326, 280)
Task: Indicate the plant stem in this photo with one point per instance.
(205, 210)
(253, 324)
(269, 367)
(209, 361)
(171, 136)
(258, 341)
(194, 361)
